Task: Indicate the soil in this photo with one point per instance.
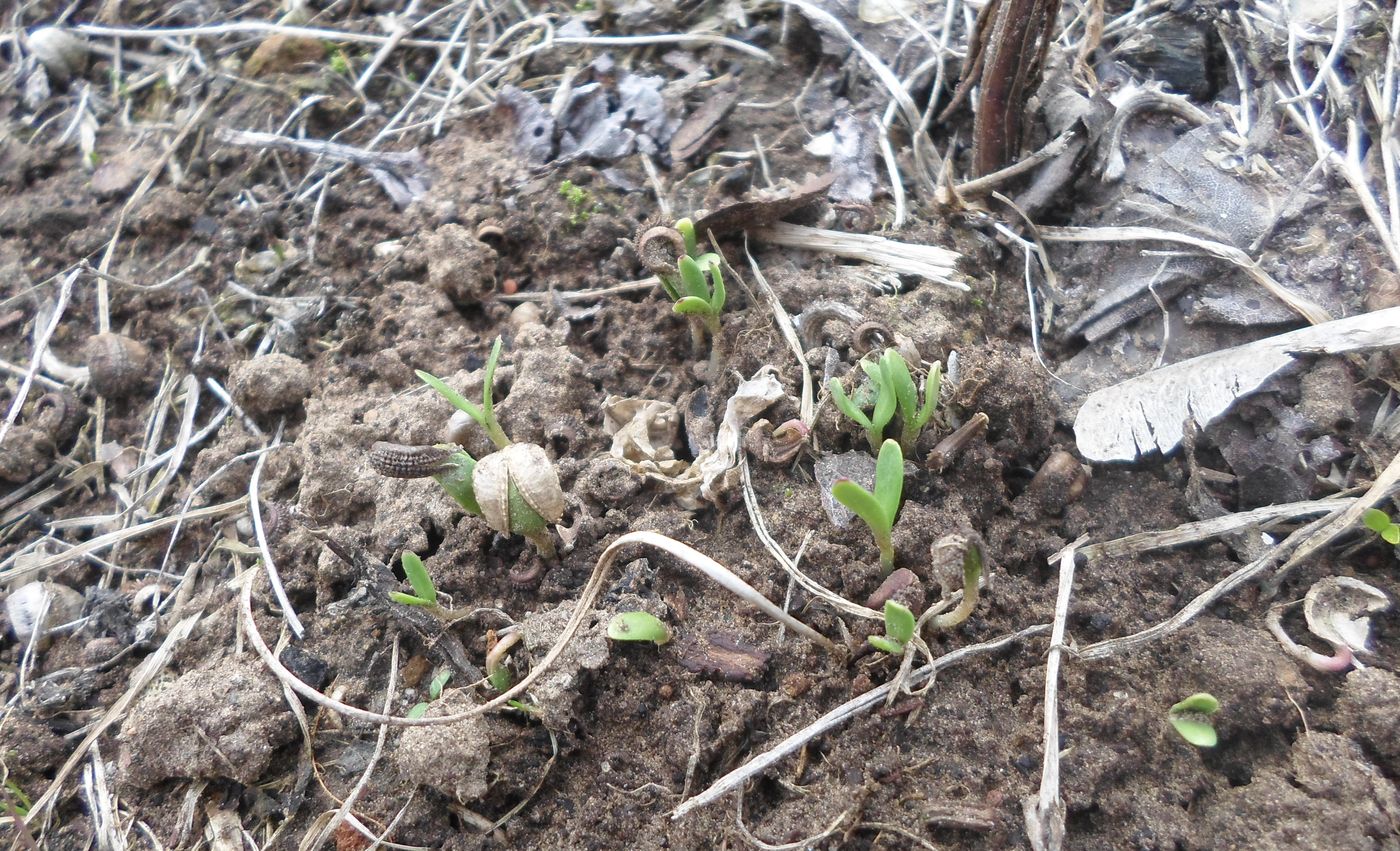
(312, 311)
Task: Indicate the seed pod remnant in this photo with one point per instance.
(117, 365)
(519, 493)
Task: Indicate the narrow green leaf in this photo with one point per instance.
(898, 379)
(693, 279)
(458, 401)
(933, 385)
(687, 232)
(500, 678)
(844, 404)
(718, 291)
(669, 285)
(899, 622)
(418, 577)
(863, 503)
(1196, 731)
(418, 711)
(693, 306)
(1376, 520)
(487, 389)
(408, 599)
(883, 644)
(889, 480)
(885, 404)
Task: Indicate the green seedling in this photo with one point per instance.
(424, 591)
(638, 626)
(700, 301)
(895, 392)
(434, 692)
(878, 509)
(899, 629)
(18, 801)
(1380, 523)
(497, 674)
(484, 414)
(580, 204)
(1191, 718)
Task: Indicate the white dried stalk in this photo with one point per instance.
(931, 262)
(789, 331)
(255, 511)
(1045, 812)
(757, 765)
(41, 345)
(583, 608)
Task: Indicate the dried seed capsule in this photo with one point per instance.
(398, 461)
(117, 365)
(519, 493)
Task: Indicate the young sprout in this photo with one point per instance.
(877, 509)
(424, 592)
(434, 692)
(971, 576)
(1191, 718)
(895, 392)
(694, 298)
(899, 629)
(638, 626)
(1380, 523)
(496, 671)
(485, 413)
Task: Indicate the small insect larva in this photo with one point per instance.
(398, 461)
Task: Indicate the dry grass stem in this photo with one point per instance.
(930, 262)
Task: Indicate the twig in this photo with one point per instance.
(41, 344)
(255, 511)
(785, 327)
(1045, 813)
(757, 765)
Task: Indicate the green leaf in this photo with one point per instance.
(487, 390)
(972, 568)
(669, 285)
(499, 678)
(881, 643)
(863, 503)
(409, 599)
(885, 404)
(1391, 535)
(457, 481)
(418, 577)
(718, 293)
(899, 622)
(418, 711)
(933, 385)
(693, 305)
(638, 626)
(1195, 731)
(687, 231)
(693, 279)
(1376, 520)
(844, 404)
(435, 687)
(898, 379)
(1202, 702)
(457, 399)
(889, 480)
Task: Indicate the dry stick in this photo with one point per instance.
(255, 510)
(102, 542)
(1239, 578)
(41, 344)
(1045, 813)
(988, 182)
(1387, 483)
(359, 787)
(140, 678)
(1305, 308)
(399, 33)
(736, 778)
(712, 569)
(1201, 530)
(789, 332)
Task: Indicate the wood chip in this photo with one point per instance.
(720, 656)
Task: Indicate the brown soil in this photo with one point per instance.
(620, 734)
